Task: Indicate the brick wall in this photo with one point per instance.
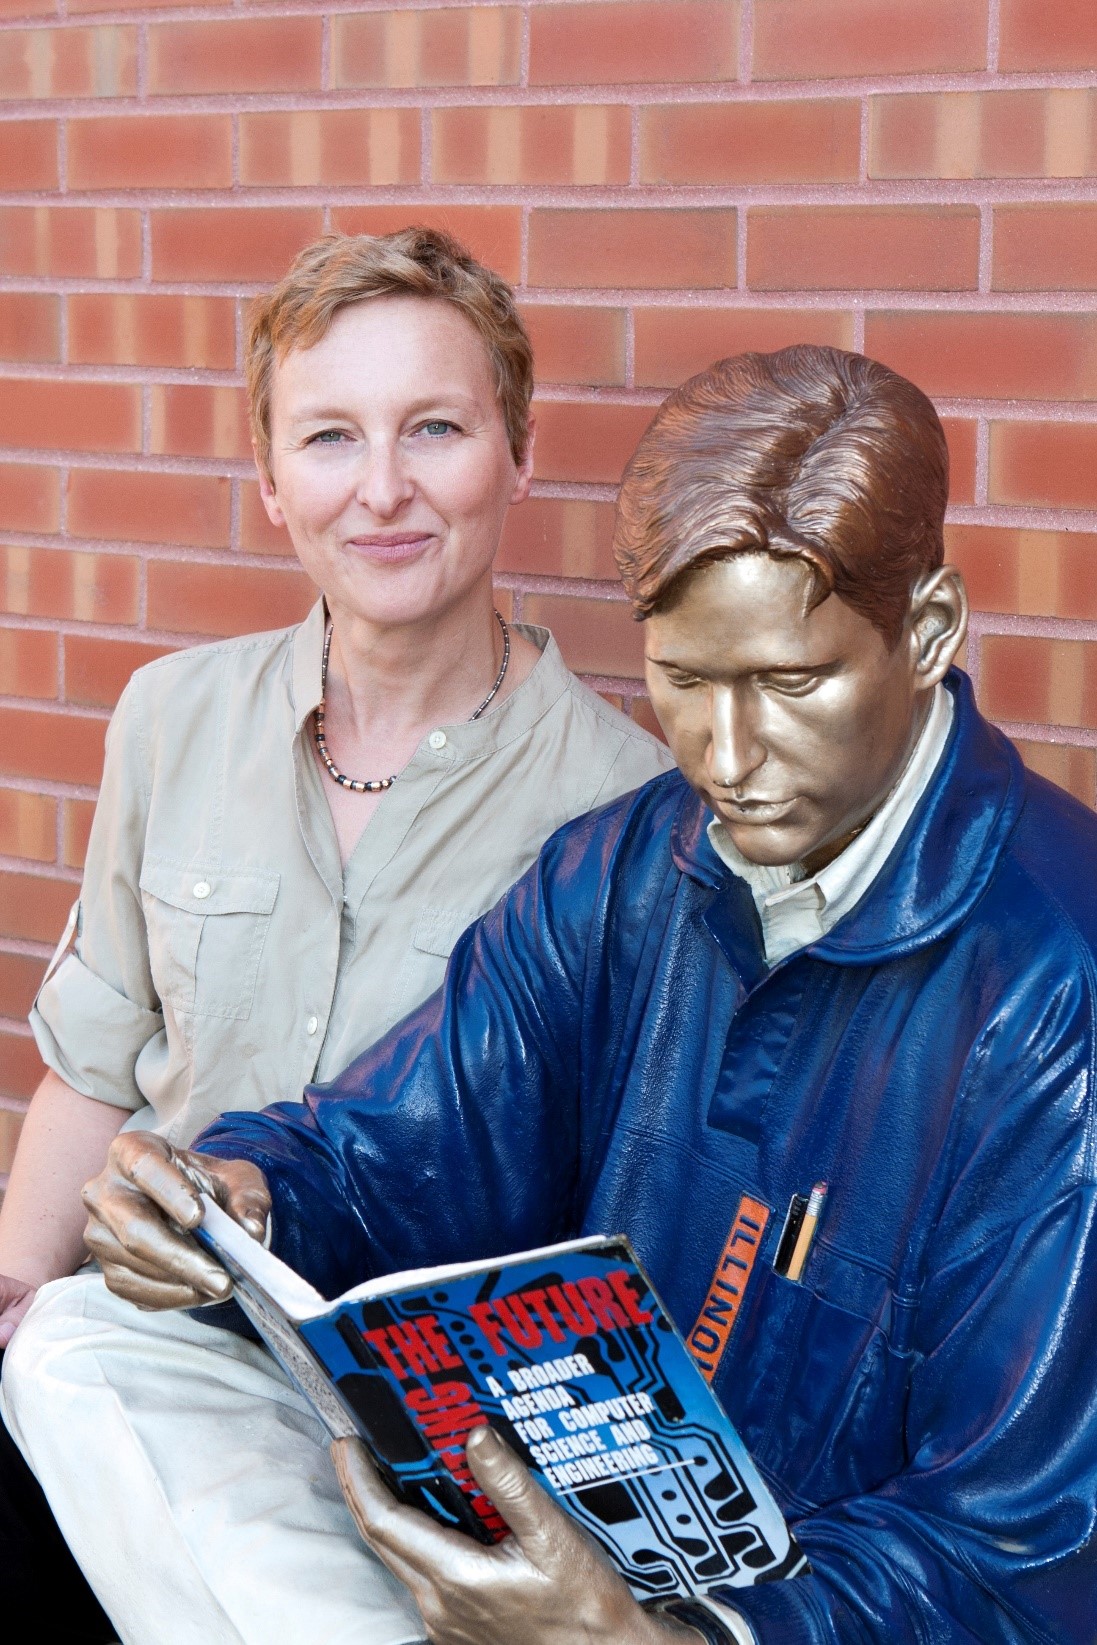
(665, 182)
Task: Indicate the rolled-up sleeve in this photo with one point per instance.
(96, 1012)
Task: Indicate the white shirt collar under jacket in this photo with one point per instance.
(796, 910)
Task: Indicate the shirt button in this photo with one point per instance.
(312, 1025)
(203, 888)
(437, 739)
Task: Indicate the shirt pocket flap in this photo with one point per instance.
(437, 929)
(198, 890)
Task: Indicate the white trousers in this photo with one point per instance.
(190, 1480)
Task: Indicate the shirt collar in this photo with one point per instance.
(545, 684)
(835, 889)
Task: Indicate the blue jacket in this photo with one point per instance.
(610, 1052)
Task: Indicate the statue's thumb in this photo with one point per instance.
(504, 1478)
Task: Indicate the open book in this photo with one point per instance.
(569, 1354)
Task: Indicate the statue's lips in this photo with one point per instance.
(751, 812)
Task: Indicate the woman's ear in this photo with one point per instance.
(938, 621)
(524, 478)
(266, 491)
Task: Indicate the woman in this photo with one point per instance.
(293, 828)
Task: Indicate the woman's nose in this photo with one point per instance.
(734, 751)
(384, 484)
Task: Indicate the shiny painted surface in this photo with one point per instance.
(610, 1052)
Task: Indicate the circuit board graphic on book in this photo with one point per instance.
(570, 1356)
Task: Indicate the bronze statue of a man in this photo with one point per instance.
(852, 941)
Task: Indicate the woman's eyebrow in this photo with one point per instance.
(446, 399)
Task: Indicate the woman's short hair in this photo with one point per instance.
(811, 452)
(342, 269)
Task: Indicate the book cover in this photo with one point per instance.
(569, 1354)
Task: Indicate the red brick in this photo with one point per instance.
(576, 345)
(1048, 34)
(150, 151)
(244, 54)
(586, 442)
(29, 497)
(1045, 248)
(992, 356)
(128, 5)
(351, 147)
(32, 8)
(34, 907)
(644, 714)
(674, 343)
(96, 671)
(60, 415)
(28, 154)
(626, 248)
(28, 828)
(257, 535)
(595, 636)
(126, 328)
(585, 143)
(1074, 769)
(1038, 681)
(68, 62)
(50, 582)
(22, 1071)
(70, 241)
(808, 142)
(28, 327)
(836, 248)
(559, 537)
(457, 46)
(230, 243)
(960, 437)
(803, 40)
(61, 747)
(20, 976)
(645, 40)
(1044, 464)
(185, 598)
(149, 508)
(76, 816)
(193, 420)
(984, 134)
(492, 233)
(28, 663)
(1030, 573)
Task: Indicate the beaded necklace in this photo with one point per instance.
(377, 785)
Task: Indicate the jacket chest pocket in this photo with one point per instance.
(206, 931)
(822, 1393)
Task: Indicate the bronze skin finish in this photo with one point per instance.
(793, 724)
(780, 534)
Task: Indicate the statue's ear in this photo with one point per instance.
(938, 623)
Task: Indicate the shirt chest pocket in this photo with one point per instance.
(823, 1395)
(207, 928)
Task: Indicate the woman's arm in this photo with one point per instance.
(64, 1141)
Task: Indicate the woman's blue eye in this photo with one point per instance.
(437, 426)
(328, 436)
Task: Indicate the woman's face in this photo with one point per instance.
(390, 463)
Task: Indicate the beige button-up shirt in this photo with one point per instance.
(220, 956)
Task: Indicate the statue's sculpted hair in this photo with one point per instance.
(342, 269)
(811, 452)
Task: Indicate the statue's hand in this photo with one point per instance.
(141, 1207)
(547, 1584)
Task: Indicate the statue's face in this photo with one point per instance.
(791, 724)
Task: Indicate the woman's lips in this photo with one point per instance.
(390, 550)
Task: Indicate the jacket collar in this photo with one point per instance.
(942, 861)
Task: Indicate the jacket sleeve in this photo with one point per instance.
(988, 1534)
(454, 1137)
